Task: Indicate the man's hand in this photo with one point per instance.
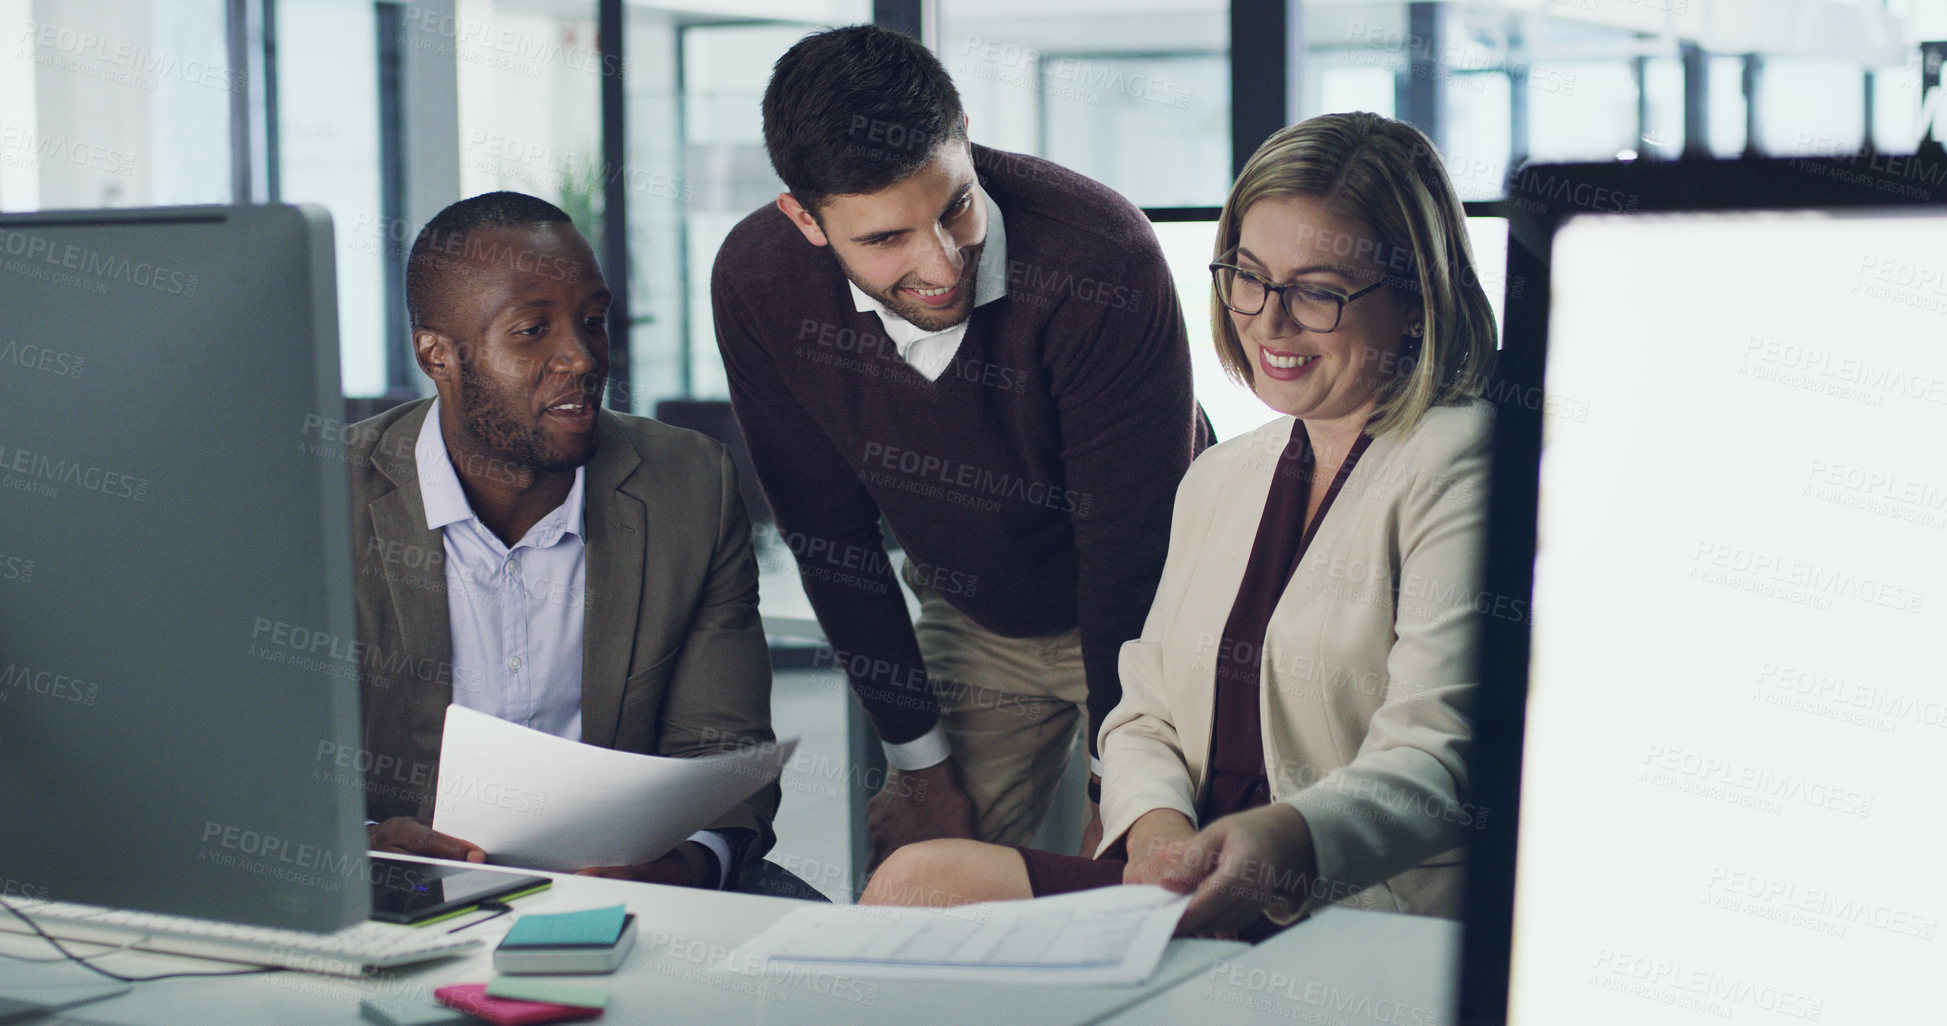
(916, 805)
(1156, 843)
(405, 835)
(1243, 866)
(687, 865)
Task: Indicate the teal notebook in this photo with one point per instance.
(593, 926)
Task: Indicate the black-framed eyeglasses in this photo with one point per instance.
(1313, 307)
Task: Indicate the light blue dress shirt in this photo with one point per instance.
(516, 612)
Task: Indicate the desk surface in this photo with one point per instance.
(667, 977)
(1342, 966)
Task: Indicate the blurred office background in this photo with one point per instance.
(383, 112)
(641, 119)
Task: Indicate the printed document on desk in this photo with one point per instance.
(532, 799)
(1110, 936)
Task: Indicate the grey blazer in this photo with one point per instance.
(674, 661)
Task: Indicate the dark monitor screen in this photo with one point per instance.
(178, 668)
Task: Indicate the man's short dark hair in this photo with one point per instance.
(854, 110)
(442, 243)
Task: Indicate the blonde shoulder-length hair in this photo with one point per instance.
(1388, 175)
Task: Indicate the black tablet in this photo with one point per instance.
(417, 893)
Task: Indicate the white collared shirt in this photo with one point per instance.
(929, 352)
(516, 612)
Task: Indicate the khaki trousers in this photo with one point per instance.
(1011, 709)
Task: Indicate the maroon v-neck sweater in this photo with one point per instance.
(1031, 483)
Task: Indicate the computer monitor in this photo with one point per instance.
(178, 670)
(1717, 574)
(1187, 235)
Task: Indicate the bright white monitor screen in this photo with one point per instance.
(1732, 801)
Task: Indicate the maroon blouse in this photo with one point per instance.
(1237, 775)
(1238, 780)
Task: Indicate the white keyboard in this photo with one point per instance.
(348, 952)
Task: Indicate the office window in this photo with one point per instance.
(1232, 407)
(1353, 58)
(1725, 106)
(697, 166)
(352, 78)
(1810, 105)
(1353, 87)
(1581, 110)
(114, 103)
(660, 197)
(725, 70)
(530, 101)
(1140, 103)
(1663, 95)
(1477, 137)
(1896, 106)
(1137, 120)
(328, 141)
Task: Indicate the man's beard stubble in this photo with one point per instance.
(922, 317)
(484, 413)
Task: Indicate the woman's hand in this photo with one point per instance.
(1155, 843)
(1241, 867)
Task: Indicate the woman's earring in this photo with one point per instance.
(1416, 329)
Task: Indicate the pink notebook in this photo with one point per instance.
(472, 999)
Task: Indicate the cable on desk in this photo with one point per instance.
(119, 978)
(66, 958)
(498, 908)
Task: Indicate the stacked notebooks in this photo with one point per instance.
(591, 941)
(595, 941)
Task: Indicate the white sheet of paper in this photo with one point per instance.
(1111, 936)
(532, 799)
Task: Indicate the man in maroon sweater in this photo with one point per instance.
(987, 349)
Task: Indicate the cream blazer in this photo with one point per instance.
(1368, 663)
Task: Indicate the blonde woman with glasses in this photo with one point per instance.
(1295, 723)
